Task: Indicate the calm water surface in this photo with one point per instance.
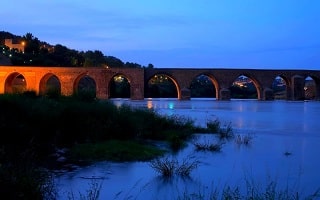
(277, 127)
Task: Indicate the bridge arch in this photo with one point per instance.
(255, 82)
(277, 87)
(314, 87)
(213, 81)
(15, 83)
(49, 83)
(119, 80)
(85, 84)
(170, 78)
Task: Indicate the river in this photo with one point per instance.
(284, 149)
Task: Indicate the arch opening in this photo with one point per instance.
(243, 88)
(120, 87)
(15, 84)
(279, 88)
(53, 86)
(161, 86)
(309, 88)
(202, 86)
(50, 86)
(86, 87)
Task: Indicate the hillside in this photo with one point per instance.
(7, 35)
(41, 53)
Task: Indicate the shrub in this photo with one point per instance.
(213, 126)
(226, 132)
(207, 146)
(169, 167)
(243, 139)
(21, 178)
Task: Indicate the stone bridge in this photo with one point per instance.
(36, 78)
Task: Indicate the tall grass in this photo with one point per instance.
(208, 146)
(224, 131)
(22, 178)
(245, 139)
(168, 167)
(248, 191)
(92, 193)
(41, 124)
(66, 121)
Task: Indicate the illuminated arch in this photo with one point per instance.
(15, 83)
(255, 82)
(49, 83)
(213, 81)
(175, 83)
(279, 82)
(116, 82)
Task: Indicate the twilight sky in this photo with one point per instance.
(261, 34)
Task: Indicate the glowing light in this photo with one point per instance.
(149, 104)
(118, 78)
(171, 105)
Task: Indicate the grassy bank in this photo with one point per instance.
(115, 150)
(65, 121)
(34, 127)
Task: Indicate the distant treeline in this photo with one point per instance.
(40, 53)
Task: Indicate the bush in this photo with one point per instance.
(167, 167)
(207, 146)
(213, 126)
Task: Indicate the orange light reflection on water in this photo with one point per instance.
(149, 105)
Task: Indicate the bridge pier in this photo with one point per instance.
(102, 93)
(268, 94)
(66, 86)
(225, 94)
(297, 89)
(185, 94)
(137, 92)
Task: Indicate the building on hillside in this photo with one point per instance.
(18, 46)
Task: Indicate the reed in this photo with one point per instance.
(243, 139)
(168, 167)
(208, 146)
(226, 132)
(249, 191)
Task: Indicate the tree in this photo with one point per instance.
(113, 62)
(150, 66)
(132, 65)
(94, 59)
(32, 44)
(39, 53)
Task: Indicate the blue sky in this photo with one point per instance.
(261, 34)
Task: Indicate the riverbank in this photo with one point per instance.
(34, 128)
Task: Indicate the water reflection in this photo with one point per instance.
(278, 128)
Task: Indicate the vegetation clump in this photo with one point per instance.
(168, 167)
(208, 146)
(226, 132)
(243, 139)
